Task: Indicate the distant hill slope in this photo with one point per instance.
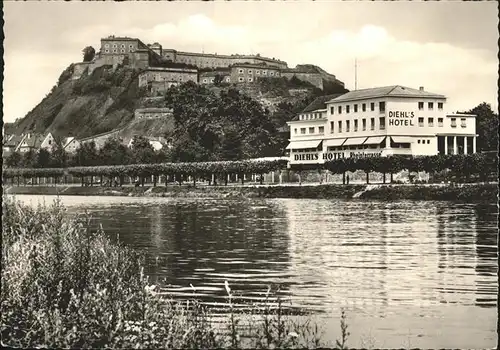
(106, 99)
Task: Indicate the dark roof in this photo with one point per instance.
(319, 103)
(390, 91)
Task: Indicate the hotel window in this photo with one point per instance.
(372, 124)
(295, 131)
(431, 106)
(340, 109)
(440, 105)
(440, 121)
(321, 129)
(347, 125)
(331, 126)
(381, 107)
(372, 106)
(355, 108)
(453, 122)
(363, 123)
(420, 106)
(340, 126)
(355, 125)
(382, 123)
(347, 109)
(463, 123)
(430, 121)
(303, 131)
(420, 121)
(332, 109)
(311, 130)
(363, 107)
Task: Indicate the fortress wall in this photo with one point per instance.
(314, 78)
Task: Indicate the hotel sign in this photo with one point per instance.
(399, 118)
(305, 157)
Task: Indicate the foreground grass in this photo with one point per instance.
(64, 286)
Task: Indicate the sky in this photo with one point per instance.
(447, 47)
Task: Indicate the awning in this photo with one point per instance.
(303, 144)
(374, 140)
(401, 139)
(354, 141)
(334, 142)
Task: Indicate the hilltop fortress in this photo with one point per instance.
(163, 68)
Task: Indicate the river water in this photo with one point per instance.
(408, 273)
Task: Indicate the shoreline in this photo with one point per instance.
(474, 193)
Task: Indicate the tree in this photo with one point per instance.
(14, 160)
(114, 152)
(86, 155)
(59, 157)
(88, 54)
(43, 159)
(142, 151)
(486, 127)
(29, 159)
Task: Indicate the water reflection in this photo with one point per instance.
(428, 267)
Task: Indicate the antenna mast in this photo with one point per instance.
(355, 74)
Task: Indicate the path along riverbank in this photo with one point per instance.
(478, 192)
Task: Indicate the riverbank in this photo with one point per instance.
(484, 192)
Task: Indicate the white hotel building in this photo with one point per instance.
(392, 120)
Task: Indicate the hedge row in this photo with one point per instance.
(192, 169)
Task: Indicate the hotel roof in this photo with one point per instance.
(386, 91)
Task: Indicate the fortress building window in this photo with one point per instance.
(240, 71)
(122, 50)
(114, 45)
(277, 74)
(228, 79)
(257, 72)
(131, 46)
(250, 71)
(264, 72)
(250, 80)
(420, 121)
(123, 46)
(271, 73)
(115, 51)
(382, 123)
(204, 80)
(107, 51)
(106, 45)
(240, 79)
